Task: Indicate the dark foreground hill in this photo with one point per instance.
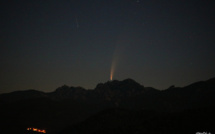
(122, 121)
(112, 107)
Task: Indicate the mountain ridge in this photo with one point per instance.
(109, 89)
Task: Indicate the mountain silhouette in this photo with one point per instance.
(127, 105)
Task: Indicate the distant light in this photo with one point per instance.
(37, 130)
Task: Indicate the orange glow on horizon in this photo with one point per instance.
(37, 130)
(43, 131)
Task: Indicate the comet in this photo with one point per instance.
(121, 45)
(111, 76)
(114, 64)
(112, 70)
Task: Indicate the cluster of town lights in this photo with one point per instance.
(37, 130)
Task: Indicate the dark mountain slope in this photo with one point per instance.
(67, 106)
(21, 95)
(122, 121)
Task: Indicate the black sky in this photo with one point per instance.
(48, 43)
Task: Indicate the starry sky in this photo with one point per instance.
(48, 43)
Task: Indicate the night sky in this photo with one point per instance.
(48, 43)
